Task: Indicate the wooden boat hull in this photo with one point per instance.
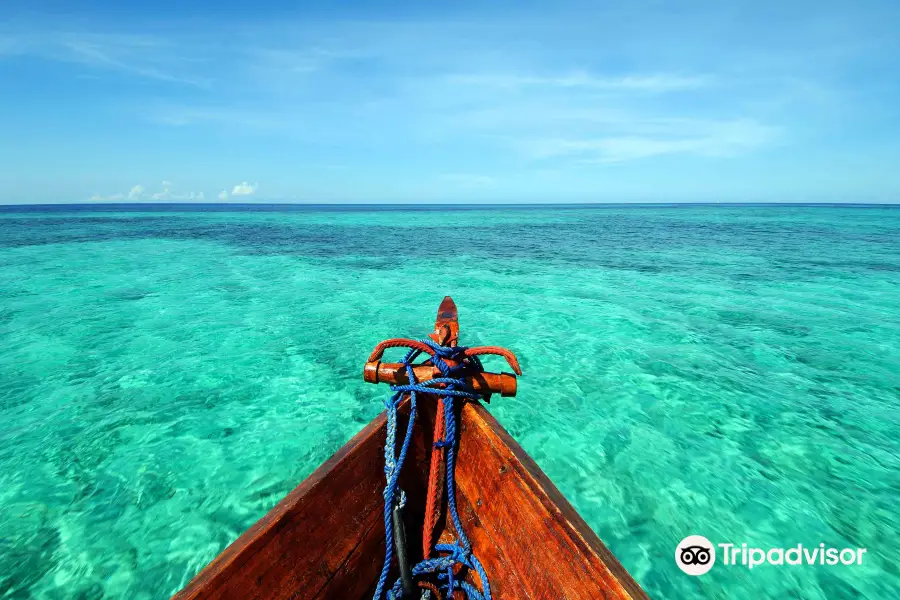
(326, 539)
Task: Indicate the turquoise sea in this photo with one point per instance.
(168, 373)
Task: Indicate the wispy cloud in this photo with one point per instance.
(699, 138)
(655, 83)
(467, 180)
(145, 56)
(346, 86)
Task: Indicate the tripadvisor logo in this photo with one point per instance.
(696, 555)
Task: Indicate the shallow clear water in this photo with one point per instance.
(166, 376)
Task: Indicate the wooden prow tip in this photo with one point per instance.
(446, 326)
(447, 310)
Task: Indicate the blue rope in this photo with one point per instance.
(459, 553)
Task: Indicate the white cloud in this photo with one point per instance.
(244, 189)
(223, 195)
(111, 198)
(167, 184)
(136, 192)
(168, 195)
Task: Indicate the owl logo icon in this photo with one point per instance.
(695, 555)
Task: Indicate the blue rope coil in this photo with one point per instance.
(459, 553)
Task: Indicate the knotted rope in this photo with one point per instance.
(449, 387)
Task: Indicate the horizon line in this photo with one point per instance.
(439, 204)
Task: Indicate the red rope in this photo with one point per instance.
(417, 345)
(509, 356)
(399, 343)
(430, 586)
(435, 477)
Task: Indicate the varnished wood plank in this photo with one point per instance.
(354, 577)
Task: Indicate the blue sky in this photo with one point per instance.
(479, 102)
